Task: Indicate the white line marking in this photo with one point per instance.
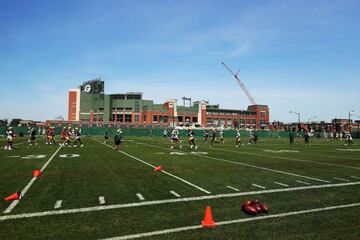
(341, 179)
(253, 166)
(286, 158)
(101, 200)
(235, 189)
(175, 194)
(26, 188)
(281, 184)
(141, 197)
(241, 220)
(173, 200)
(58, 204)
(19, 143)
(355, 177)
(258, 186)
(152, 166)
(306, 183)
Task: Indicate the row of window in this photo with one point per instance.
(243, 113)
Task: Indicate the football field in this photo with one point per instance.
(95, 192)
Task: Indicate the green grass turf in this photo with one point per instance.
(101, 171)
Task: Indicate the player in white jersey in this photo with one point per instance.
(78, 138)
(175, 139)
(251, 137)
(221, 136)
(165, 134)
(191, 139)
(238, 138)
(9, 138)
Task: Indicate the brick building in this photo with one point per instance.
(88, 103)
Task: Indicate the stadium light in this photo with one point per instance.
(350, 119)
(298, 118)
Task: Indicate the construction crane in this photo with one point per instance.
(241, 84)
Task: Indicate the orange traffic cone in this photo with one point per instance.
(37, 173)
(158, 168)
(14, 196)
(208, 221)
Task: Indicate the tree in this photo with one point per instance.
(15, 121)
(3, 122)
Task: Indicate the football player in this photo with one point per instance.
(165, 133)
(48, 136)
(238, 138)
(221, 136)
(67, 136)
(62, 135)
(118, 139)
(9, 138)
(52, 135)
(175, 139)
(77, 138)
(251, 137)
(206, 136)
(191, 139)
(213, 137)
(33, 136)
(106, 137)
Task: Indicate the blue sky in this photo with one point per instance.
(293, 55)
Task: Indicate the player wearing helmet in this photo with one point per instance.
(191, 139)
(9, 139)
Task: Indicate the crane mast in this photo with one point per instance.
(241, 84)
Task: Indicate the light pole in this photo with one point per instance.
(311, 119)
(298, 118)
(349, 119)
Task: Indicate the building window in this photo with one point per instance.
(236, 123)
(163, 118)
(209, 121)
(155, 118)
(120, 117)
(144, 118)
(194, 119)
(128, 117)
(229, 121)
(262, 114)
(180, 118)
(253, 121)
(222, 121)
(137, 106)
(136, 118)
(216, 120)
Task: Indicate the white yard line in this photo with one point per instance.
(281, 184)
(163, 171)
(140, 196)
(58, 204)
(19, 143)
(241, 220)
(175, 194)
(253, 166)
(306, 183)
(258, 186)
(355, 177)
(341, 179)
(286, 158)
(235, 189)
(101, 200)
(173, 200)
(27, 187)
